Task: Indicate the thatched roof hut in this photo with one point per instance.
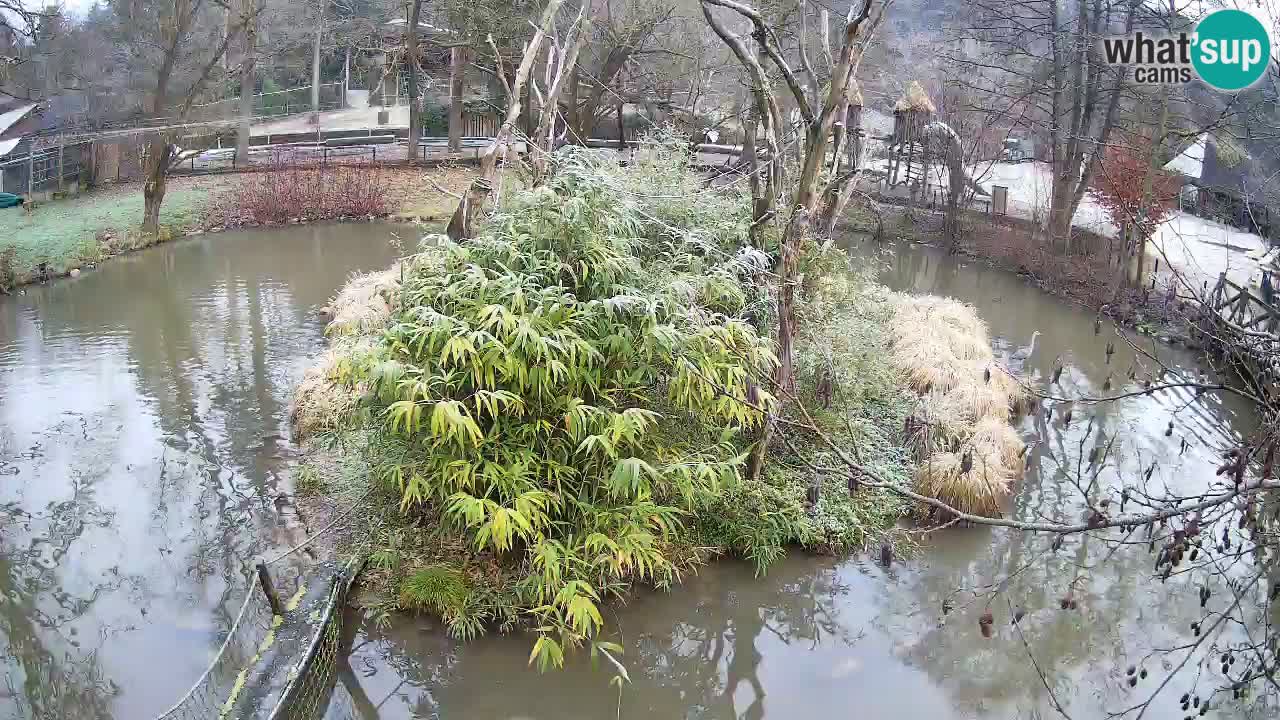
(914, 99)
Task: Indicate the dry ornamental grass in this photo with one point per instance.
(969, 453)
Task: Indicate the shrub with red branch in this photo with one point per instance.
(306, 193)
(1120, 184)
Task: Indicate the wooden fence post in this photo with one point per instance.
(269, 589)
(31, 170)
(62, 185)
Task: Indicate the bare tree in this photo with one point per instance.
(623, 32)
(180, 44)
(1076, 93)
(322, 7)
(458, 60)
(473, 203)
(413, 21)
(562, 62)
(249, 11)
(818, 119)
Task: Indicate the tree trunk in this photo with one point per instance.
(461, 225)
(315, 58)
(247, 62)
(411, 50)
(1149, 179)
(574, 110)
(955, 188)
(751, 160)
(1060, 214)
(154, 185)
(543, 140)
(457, 76)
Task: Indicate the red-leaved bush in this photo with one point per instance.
(306, 193)
(1119, 187)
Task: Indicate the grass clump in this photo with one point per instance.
(438, 589)
(959, 429)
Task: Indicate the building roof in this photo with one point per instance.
(1190, 162)
(1244, 169)
(914, 99)
(10, 117)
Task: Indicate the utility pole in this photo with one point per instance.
(315, 57)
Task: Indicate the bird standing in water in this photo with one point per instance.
(1024, 353)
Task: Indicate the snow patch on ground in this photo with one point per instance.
(1204, 249)
(1201, 249)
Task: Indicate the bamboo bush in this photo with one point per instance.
(524, 379)
(560, 408)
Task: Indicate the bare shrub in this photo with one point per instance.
(286, 193)
(1082, 277)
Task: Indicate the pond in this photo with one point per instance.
(844, 637)
(143, 447)
(144, 463)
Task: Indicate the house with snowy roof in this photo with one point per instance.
(1231, 180)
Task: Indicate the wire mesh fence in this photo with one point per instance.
(282, 667)
(311, 682)
(48, 169)
(213, 695)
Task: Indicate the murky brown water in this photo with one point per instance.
(143, 446)
(842, 637)
(143, 465)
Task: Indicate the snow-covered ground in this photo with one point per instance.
(1204, 249)
(1201, 249)
(359, 118)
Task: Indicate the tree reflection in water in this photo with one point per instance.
(142, 426)
(695, 652)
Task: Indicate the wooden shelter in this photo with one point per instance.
(908, 156)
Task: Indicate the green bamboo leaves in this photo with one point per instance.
(536, 377)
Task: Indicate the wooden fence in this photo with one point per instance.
(1242, 326)
(1243, 308)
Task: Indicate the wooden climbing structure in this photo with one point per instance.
(908, 152)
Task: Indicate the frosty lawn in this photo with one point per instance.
(64, 233)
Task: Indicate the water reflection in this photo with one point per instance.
(142, 441)
(837, 637)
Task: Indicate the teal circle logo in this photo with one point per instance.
(1232, 49)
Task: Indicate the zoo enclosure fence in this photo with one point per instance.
(54, 168)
